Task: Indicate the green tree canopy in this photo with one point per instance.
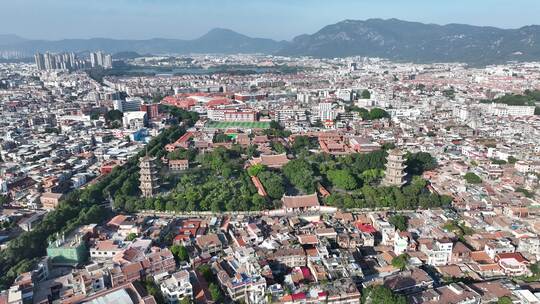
(276, 130)
(535, 268)
(378, 113)
(504, 300)
(419, 162)
(189, 154)
(215, 292)
(342, 179)
(180, 253)
(4, 199)
(380, 294)
(372, 175)
(399, 221)
(154, 290)
(363, 112)
(256, 169)
(303, 143)
(221, 138)
(278, 147)
(185, 300)
(472, 178)
(400, 261)
(365, 94)
(113, 115)
(130, 237)
(512, 159)
(180, 115)
(273, 183)
(300, 174)
(206, 272)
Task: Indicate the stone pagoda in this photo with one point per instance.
(148, 176)
(395, 169)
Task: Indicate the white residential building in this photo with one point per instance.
(134, 120)
(176, 287)
(326, 112)
(439, 252)
(498, 109)
(128, 105)
(493, 248)
(400, 243)
(530, 246)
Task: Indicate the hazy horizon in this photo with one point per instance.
(275, 19)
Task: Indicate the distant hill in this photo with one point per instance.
(413, 41)
(392, 38)
(216, 41)
(8, 39)
(126, 55)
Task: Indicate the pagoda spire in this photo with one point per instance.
(149, 179)
(395, 169)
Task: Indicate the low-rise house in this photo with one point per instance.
(177, 165)
(328, 233)
(401, 242)
(439, 252)
(455, 293)
(68, 251)
(409, 281)
(239, 276)
(50, 200)
(271, 161)
(301, 203)
(460, 253)
(342, 291)
(290, 257)
(176, 287)
(530, 245)
(495, 247)
(159, 261)
(525, 296)
(491, 291)
(120, 275)
(210, 243)
(124, 225)
(105, 249)
(512, 264)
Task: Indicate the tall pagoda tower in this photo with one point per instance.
(149, 180)
(395, 169)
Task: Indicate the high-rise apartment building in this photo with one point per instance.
(40, 61)
(326, 112)
(100, 59)
(63, 61)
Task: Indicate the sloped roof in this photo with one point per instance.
(301, 201)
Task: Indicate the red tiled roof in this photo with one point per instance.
(117, 220)
(218, 102)
(512, 255)
(298, 296)
(368, 228)
(308, 239)
(301, 201)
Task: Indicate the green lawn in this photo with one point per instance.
(238, 124)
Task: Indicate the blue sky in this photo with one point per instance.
(277, 19)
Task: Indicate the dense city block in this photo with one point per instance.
(128, 178)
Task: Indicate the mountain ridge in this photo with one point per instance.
(393, 39)
(217, 40)
(419, 42)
